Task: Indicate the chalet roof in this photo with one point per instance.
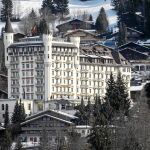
(70, 21)
(79, 30)
(134, 30)
(127, 53)
(135, 46)
(130, 49)
(8, 27)
(57, 114)
(116, 33)
(43, 115)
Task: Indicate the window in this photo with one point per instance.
(3, 115)
(35, 139)
(2, 106)
(29, 106)
(7, 106)
(27, 65)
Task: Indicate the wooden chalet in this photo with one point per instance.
(85, 36)
(133, 51)
(132, 35)
(75, 24)
(56, 124)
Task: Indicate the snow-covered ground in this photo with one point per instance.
(93, 7)
(75, 7)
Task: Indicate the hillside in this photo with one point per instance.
(75, 6)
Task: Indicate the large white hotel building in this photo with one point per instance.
(46, 68)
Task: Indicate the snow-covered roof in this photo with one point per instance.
(83, 127)
(92, 56)
(79, 30)
(65, 114)
(137, 88)
(132, 29)
(32, 119)
(106, 57)
(83, 55)
(2, 128)
(40, 43)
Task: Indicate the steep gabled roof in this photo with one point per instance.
(8, 27)
(135, 46)
(79, 30)
(134, 30)
(70, 21)
(54, 113)
(132, 54)
(43, 115)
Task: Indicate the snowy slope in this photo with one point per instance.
(75, 6)
(93, 7)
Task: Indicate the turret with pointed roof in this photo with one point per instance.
(8, 27)
(8, 39)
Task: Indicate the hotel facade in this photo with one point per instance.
(45, 67)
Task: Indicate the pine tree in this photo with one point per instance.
(44, 143)
(18, 145)
(7, 140)
(99, 136)
(21, 112)
(111, 94)
(33, 14)
(49, 4)
(89, 112)
(62, 7)
(99, 112)
(6, 10)
(6, 121)
(122, 35)
(43, 27)
(16, 114)
(123, 96)
(147, 93)
(90, 18)
(102, 24)
(147, 17)
(81, 113)
(126, 12)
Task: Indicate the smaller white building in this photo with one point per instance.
(31, 107)
(83, 130)
(35, 106)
